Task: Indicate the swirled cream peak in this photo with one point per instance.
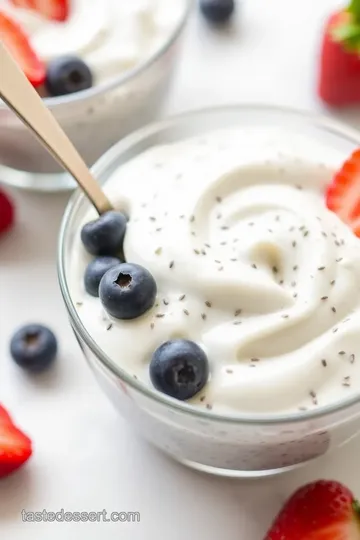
(249, 264)
(112, 36)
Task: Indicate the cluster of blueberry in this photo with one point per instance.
(178, 367)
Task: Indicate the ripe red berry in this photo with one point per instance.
(7, 212)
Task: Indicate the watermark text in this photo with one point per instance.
(62, 516)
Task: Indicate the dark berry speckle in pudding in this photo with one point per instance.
(179, 368)
(127, 291)
(33, 347)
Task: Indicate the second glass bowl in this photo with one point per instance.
(94, 119)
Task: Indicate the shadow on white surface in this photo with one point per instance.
(15, 493)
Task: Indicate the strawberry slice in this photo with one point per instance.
(343, 194)
(15, 39)
(55, 10)
(323, 510)
(15, 446)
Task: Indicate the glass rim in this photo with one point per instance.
(323, 122)
(97, 90)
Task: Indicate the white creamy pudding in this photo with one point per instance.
(249, 264)
(111, 36)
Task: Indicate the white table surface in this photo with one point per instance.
(86, 457)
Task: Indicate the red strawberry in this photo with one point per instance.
(343, 194)
(55, 10)
(6, 212)
(13, 36)
(339, 80)
(15, 446)
(323, 510)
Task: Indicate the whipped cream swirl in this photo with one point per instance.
(249, 264)
(111, 36)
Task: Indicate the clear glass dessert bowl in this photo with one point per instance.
(94, 119)
(239, 445)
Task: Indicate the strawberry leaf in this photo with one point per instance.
(354, 9)
(347, 33)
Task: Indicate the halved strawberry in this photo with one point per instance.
(323, 510)
(343, 194)
(15, 446)
(55, 10)
(15, 39)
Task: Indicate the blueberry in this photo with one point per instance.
(179, 368)
(66, 75)
(105, 235)
(95, 271)
(127, 291)
(33, 347)
(217, 11)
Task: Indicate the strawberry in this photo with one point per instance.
(15, 446)
(6, 212)
(343, 194)
(339, 80)
(323, 510)
(15, 39)
(55, 10)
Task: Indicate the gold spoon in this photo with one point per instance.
(22, 98)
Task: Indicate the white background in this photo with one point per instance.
(86, 457)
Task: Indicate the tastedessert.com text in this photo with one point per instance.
(63, 516)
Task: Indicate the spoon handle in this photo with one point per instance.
(22, 98)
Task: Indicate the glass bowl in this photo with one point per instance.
(243, 445)
(94, 119)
